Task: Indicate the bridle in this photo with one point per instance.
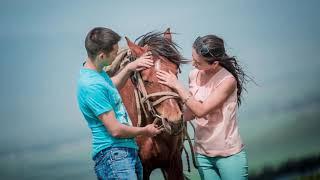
(144, 102)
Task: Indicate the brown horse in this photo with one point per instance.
(148, 101)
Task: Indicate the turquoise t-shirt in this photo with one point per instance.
(96, 95)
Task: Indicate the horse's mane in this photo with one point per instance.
(160, 46)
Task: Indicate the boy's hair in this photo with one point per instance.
(100, 39)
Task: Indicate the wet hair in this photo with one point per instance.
(100, 39)
(211, 47)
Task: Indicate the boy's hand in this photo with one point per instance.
(151, 130)
(143, 62)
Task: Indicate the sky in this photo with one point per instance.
(42, 132)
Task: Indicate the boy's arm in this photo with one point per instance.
(143, 62)
(119, 130)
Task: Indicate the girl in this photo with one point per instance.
(215, 89)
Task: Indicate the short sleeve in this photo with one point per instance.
(97, 100)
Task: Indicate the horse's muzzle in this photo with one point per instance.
(173, 128)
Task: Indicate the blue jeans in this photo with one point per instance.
(234, 167)
(118, 163)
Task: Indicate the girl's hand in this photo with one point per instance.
(167, 78)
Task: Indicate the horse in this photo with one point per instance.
(148, 101)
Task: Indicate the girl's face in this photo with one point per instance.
(199, 62)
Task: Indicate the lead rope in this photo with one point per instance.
(191, 146)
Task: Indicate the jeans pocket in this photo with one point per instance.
(101, 159)
(118, 154)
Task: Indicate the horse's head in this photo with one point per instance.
(167, 58)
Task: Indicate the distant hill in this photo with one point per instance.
(304, 168)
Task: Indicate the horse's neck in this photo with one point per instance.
(119, 62)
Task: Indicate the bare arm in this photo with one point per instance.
(214, 101)
(121, 78)
(188, 114)
(200, 109)
(145, 61)
(119, 130)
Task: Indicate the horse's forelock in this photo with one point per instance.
(160, 46)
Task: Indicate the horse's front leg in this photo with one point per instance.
(164, 173)
(146, 173)
(175, 170)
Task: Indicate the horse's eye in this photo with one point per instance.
(147, 82)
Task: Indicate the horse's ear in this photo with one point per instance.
(167, 35)
(135, 49)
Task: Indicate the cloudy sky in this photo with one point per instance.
(43, 133)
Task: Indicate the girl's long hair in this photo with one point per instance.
(211, 47)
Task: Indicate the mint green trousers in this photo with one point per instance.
(234, 167)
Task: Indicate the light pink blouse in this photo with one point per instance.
(216, 133)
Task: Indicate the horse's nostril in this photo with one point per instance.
(175, 122)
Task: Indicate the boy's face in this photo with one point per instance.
(113, 54)
(107, 59)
